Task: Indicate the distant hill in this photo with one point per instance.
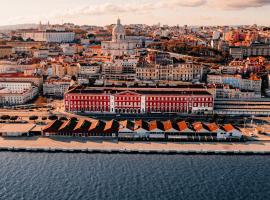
(18, 26)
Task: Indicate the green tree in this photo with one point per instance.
(33, 117)
(53, 117)
(5, 117)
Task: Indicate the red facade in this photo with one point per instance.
(91, 103)
(139, 101)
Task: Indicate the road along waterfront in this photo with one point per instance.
(57, 144)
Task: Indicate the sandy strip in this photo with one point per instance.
(81, 144)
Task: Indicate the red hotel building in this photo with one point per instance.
(138, 100)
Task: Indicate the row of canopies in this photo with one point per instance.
(95, 127)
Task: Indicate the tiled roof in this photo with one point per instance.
(228, 127)
(97, 126)
(16, 75)
(197, 126)
(127, 124)
(155, 125)
(167, 125)
(212, 127)
(142, 124)
(182, 125)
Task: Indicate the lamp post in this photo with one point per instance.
(245, 122)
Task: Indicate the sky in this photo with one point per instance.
(104, 12)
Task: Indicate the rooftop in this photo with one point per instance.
(17, 75)
(92, 125)
(153, 91)
(14, 128)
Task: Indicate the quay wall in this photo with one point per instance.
(133, 151)
(69, 145)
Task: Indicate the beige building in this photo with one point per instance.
(72, 69)
(5, 51)
(119, 70)
(252, 50)
(59, 70)
(176, 72)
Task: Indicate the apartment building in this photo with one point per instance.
(176, 72)
(253, 83)
(5, 51)
(17, 93)
(55, 88)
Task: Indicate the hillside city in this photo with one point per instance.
(136, 82)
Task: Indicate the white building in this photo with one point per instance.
(253, 83)
(228, 92)
(89, 69)
(120, 44)
(68, 50)
(17, 93)
(41, 53)
(49, 36)
(16, 86)
(56, 88)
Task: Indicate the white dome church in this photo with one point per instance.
(118, 32)
(120, 44)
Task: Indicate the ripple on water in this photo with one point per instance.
(102, 176)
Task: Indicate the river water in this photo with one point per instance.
(57, 176)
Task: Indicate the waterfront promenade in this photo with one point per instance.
(71, 144)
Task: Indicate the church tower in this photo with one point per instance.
(118, 33)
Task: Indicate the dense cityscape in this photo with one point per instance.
(135, 100)
(136, 82)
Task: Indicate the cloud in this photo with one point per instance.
(238, 4)
(147, 7)
(221, 4)
(106, 9)
(186, 3)
(131, 7)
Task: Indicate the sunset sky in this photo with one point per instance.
(102, 12)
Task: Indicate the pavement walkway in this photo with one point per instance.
(84, 144)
